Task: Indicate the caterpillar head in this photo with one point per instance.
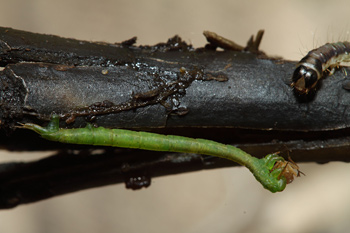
(304, 79)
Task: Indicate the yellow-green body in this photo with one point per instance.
(261, 168)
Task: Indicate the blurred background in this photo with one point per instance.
(224, 200)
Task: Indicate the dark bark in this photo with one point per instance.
(232, 97)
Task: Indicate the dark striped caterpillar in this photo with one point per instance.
(265, 169)
(312, 67)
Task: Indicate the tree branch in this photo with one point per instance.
(233, 97)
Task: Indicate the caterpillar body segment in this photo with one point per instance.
(262, 169)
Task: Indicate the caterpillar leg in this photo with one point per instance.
(270, 178)
(271, 159)
(332, 69)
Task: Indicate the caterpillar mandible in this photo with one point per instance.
(264, 169)
(312, 67)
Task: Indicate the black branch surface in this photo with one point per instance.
(235, 97)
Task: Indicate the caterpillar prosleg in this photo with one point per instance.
(270, 176)
(311, 68)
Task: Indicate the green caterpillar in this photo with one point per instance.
(269, 171)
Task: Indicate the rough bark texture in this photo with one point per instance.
(232, 97)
